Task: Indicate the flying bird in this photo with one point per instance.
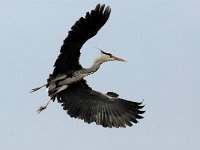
(68, 86)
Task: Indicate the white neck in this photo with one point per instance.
(95, 66)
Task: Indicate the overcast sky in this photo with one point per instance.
(160, 39)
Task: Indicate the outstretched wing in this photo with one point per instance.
(92, 106)
(80, 32)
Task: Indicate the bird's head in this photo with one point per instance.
(104, 56)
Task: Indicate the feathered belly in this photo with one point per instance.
(61, 82)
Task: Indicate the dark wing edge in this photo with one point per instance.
(80, 32)
(92, 106)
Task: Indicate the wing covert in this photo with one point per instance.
(92, 106)
(80, 32)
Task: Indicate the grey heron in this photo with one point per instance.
(68, 86)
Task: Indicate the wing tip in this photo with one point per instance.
(102, 8)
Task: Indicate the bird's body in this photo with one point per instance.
(68, 86)
(60, 82)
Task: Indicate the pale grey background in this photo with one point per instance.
(160, 39)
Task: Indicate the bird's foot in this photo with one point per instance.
(41, 108)
(35, 89)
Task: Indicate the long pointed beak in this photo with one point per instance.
(118, 59)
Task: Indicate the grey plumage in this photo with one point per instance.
(68, 86)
